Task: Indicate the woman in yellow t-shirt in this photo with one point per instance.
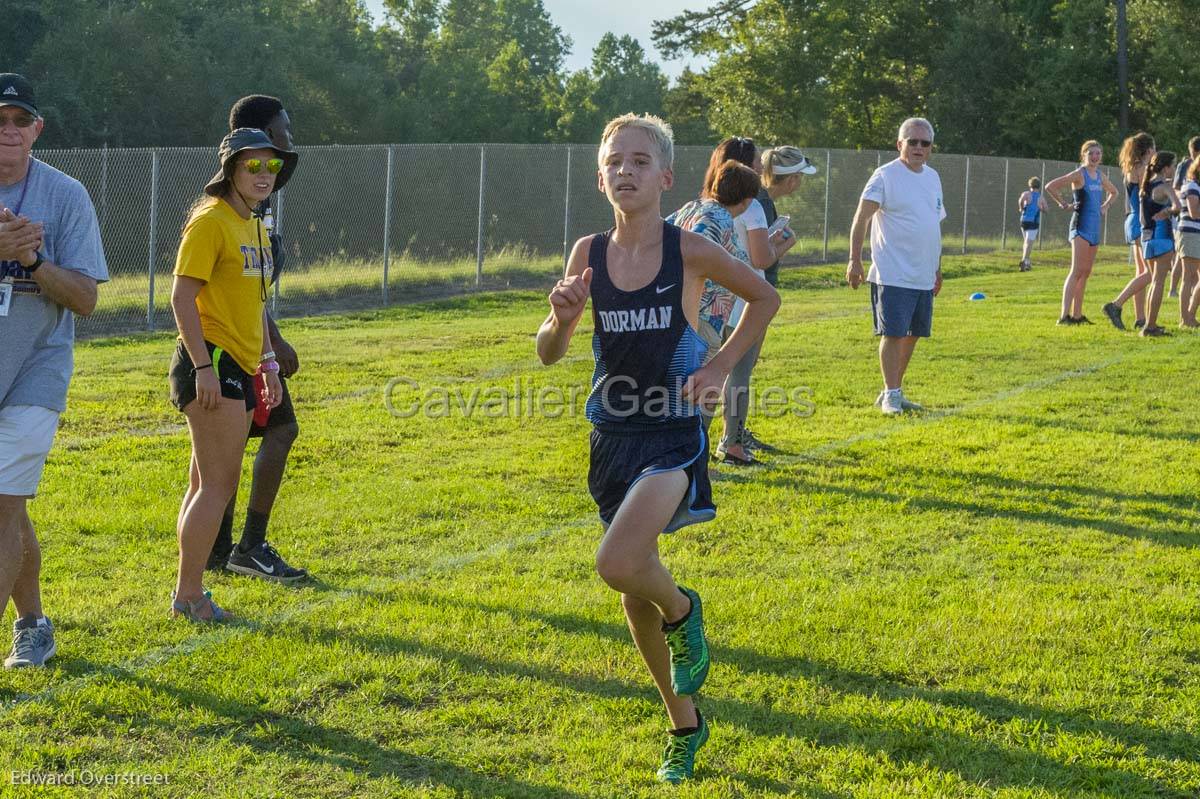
(219, 300)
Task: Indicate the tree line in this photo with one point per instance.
(1013, 77)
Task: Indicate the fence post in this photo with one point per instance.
(1104, 220)
(825, 227)
(966, 201)
(479, 230)
(104, 188)
(1042, 238)
(387, 223)
(278, 217)
(567, 210)
(1004, 211)
(152, 244)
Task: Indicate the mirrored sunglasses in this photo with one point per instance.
(255, 165)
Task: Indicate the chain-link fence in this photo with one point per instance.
(366, 226)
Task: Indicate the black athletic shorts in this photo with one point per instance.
(281, 414)
(1025, 225)
(624, 454)
(235, 383)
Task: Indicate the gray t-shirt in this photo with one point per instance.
(37, 354)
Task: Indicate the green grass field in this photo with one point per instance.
(997, 598)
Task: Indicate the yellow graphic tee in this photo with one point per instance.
(222, 249)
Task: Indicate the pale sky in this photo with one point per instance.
(585, 22)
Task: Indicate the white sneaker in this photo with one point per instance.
(891, 402)
(909, 405)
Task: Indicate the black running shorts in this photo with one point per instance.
(621, 455)
(235, 383)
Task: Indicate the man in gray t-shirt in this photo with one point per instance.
(51, 261)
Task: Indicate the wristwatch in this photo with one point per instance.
(33, 267)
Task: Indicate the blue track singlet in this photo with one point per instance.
(1031, 215)
(1085, 222)
(643, 344)
(1157, 237)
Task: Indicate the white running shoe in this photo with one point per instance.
(909, 405)
(891, 402)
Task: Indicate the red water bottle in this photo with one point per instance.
(261, 412)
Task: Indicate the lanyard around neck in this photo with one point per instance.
(24, 188)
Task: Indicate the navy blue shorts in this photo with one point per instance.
(901, 312)
(624, 454)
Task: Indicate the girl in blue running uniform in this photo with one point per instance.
(1031, 205)
(1159, 206)
(1092, 193)
(1136, 152)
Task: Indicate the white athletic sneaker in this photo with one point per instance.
(909, 405)
(891, 402)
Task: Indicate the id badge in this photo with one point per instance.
(6, 295)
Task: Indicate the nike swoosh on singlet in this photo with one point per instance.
(658, 290)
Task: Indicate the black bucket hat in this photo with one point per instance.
(242, 139)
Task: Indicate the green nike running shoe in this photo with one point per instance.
(689, 649)
(679, 759)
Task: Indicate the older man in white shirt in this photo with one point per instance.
(904, 200)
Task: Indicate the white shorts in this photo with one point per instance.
(1031, 234)
(26, 434)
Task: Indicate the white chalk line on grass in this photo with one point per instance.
(220, 634)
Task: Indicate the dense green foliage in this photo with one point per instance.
(1011, 77)
(1005, 77)
(160, 72)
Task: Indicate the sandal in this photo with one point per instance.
(190, 609)
(724, 456)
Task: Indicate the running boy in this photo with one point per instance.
(649, 456)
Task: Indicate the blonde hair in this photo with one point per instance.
(1087, 145)
(785, 156)
(658, 129)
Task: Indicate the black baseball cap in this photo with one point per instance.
(16, 90)
(248, 139)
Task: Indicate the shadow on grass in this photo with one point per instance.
(301, 741)
(610, 688)
(1177, 516)
(1076, 426)
(1176, 510)
(919, 743)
